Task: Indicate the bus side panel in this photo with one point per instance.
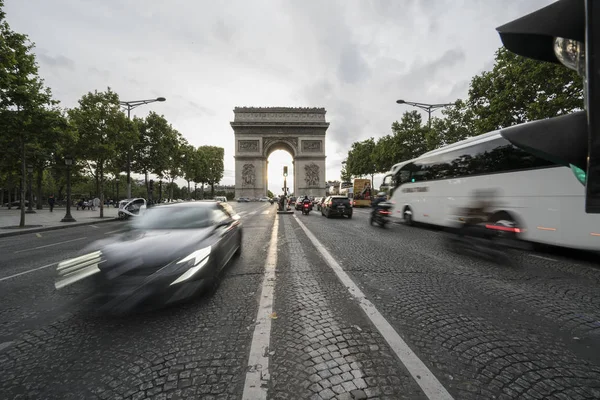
(548, 203)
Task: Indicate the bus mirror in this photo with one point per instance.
(562, 140)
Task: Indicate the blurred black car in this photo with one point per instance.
(168, 255)
(336, 206)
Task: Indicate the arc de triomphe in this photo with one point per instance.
(259, 131)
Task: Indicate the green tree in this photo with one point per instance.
(200, 169)
(215, 166)
(189, 164)
(345, 176)
(409, 137)
(270, 194)
(23, 97)
(360, 159)
(171, 157)
(519, 90)
(102, 129)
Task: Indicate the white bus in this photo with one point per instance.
(544, 201)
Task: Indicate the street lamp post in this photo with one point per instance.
(160, 191)
(68, 217)
(30, 200)
(425, 106)
(130, 105)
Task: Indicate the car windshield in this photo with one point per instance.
(174, 218)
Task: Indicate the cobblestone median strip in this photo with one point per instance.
(257, 375)
(430, 385)
(322, 346)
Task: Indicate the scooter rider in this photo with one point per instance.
(381, 197)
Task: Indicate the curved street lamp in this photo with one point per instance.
(68, 217)
(425, 106)
(130, 105)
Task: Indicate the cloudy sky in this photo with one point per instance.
(355, 58)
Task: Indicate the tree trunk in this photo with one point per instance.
(189, 193)
(96, 176)
(202, 189)
(2, 197)
(212, 190)
(101, 191)
(23, 170)
(171, 189)
(40, 174)
(8, 195)
(195, 191)
(147, 186)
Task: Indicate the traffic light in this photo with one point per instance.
(285, 171)
(566, 32)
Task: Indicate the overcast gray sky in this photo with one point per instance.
(355, 58)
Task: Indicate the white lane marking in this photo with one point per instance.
(252, 213)
(430, 385)
(28, 271)
(118, 230)
(265, 212)
(5, 345)
(94, 226)
(543, 258)
(50, 245)
(38, 235)
(257, 375)
(242, 212)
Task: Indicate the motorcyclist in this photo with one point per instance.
(381, 197)
(306, 200)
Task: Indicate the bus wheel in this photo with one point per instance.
(408, 218)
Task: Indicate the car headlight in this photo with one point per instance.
(192, 263)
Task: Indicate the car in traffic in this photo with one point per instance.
(335, 206)
(292, 201)
(221, 198)
(169, 255)
(264, 199)
(243, 200)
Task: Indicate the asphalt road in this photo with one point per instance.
(431, 324)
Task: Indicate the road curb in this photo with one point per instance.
(54, 228)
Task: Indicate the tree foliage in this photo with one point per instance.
(515, 91)
(102, 129)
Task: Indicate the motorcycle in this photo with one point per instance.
(306, 208)
(491, 241)
(381, 216)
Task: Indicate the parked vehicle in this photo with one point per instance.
(131, 208)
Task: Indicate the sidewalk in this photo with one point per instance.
(44, 220)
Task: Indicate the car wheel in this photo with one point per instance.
(349, 216)
(327, 215)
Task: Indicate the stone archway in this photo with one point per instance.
(259, 131)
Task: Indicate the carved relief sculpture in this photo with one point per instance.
(311, 177)
(311, 146)
(248, 175)
(248, 146)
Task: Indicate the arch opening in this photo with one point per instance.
(276, 160)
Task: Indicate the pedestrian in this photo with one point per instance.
(51, 202)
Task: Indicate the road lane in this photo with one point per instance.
(485, 330)
(198, 349)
